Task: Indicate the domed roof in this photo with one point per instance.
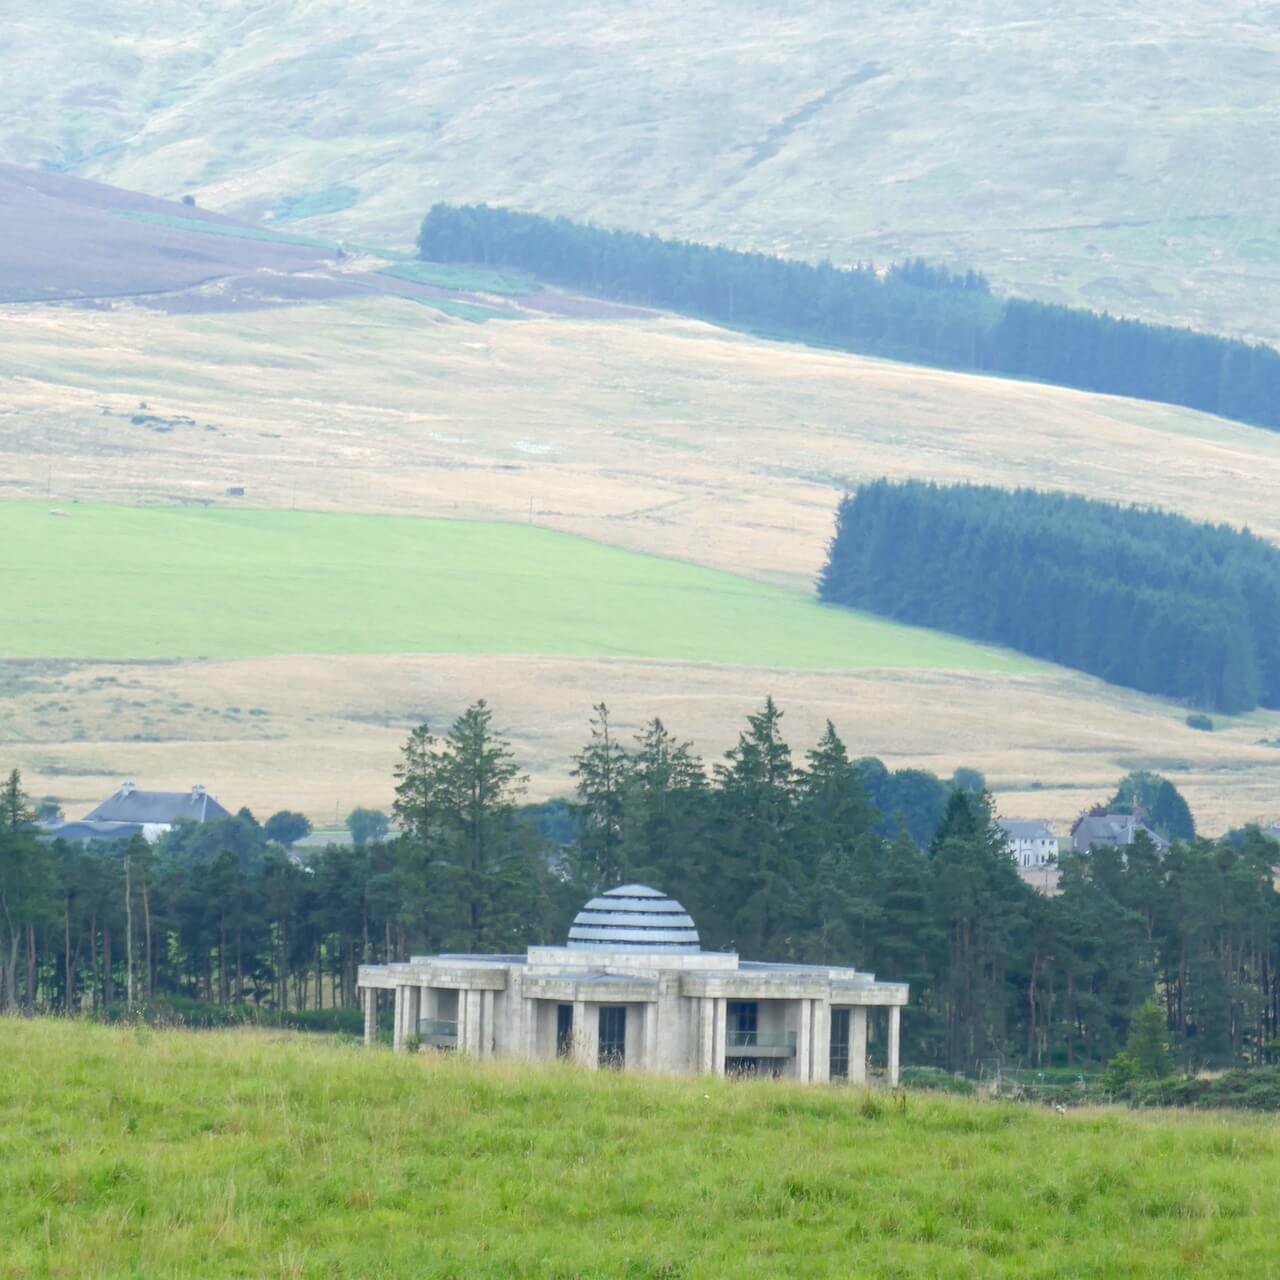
(634, 917)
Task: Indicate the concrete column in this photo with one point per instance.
(488, 1032)
(821, 1041)
(804, 1042)
(720, 1038)
(397, 1024)
(528, 1024)
(475, 1014)
(586, 1037)
(895, 1036)
(413, 1010)
(858, 1044)
(650, 1062)
(706, 1038)
(370, 997)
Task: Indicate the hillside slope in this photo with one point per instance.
(1113, 155)
(310, 388)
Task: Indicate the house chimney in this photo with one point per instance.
(197, 792)
(127, 788)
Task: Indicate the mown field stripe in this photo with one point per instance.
(130, 582)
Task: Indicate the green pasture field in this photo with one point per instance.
(259, 1154)
(131, 582)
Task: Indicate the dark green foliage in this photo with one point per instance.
(367, 826)
(1198, 720)
(287, 827)
(1156, 800)
(1140, 598)
(785, 858)
(913, 311)
(1148, 1046)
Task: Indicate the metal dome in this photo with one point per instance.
(634, 917)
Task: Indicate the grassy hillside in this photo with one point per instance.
(1115, 155)
(248, 1154)
(138, 583)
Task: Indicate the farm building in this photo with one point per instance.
(633, 989)
(131, 812)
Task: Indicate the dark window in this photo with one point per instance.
(613, 1037)
(564, 1031)
(839, 1044)
(742, 1017)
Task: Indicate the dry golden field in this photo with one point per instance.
(650, 433)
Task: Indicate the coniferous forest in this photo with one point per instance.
(780, 857)
(912, 311)
(1141, 598)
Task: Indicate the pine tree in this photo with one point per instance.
(601, 770)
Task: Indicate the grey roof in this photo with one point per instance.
(634, 917)
(1112, 828)
(131, 805)
(1017, 830)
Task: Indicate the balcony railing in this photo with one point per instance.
(748, 1044)
(430, 1029)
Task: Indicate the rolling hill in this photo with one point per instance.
(1117, 156)
(355, 381)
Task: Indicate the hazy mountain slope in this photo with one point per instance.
(1111, 154)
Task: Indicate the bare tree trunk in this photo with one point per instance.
(108, 985)
(128, 934)
(94, 989)
(146, 924)
(69, 977)
(31, 966)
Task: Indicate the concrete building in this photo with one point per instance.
(633, 989)
(1031, 844)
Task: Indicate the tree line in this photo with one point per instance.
(776, 857)
(1141, 598)
(912, 311)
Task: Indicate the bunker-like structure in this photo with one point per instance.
(633, 989)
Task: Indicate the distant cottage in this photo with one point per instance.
(1118, 830)
(133, 812)
(1031, 844)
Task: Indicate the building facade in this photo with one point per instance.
(1031, 844)
(633, 989)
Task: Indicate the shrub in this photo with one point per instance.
(1198, 720)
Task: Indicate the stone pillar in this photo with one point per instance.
(370, 997)
(397, 1023)
(413, 1010)
(706, 1037)
(586, 1038)
(895, 1035)
(858, 1044)
(822, 1041)
(650, 1062)
(719, 1037)
(804, 1043)
(488, 1031)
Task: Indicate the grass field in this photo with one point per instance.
(163, 583)
(251, 1154)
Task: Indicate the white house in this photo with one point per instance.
(1031, 844)
(633, 989)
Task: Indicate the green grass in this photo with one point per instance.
(130, 582)
(221, 228)
(466, 279)
(253, 1154)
